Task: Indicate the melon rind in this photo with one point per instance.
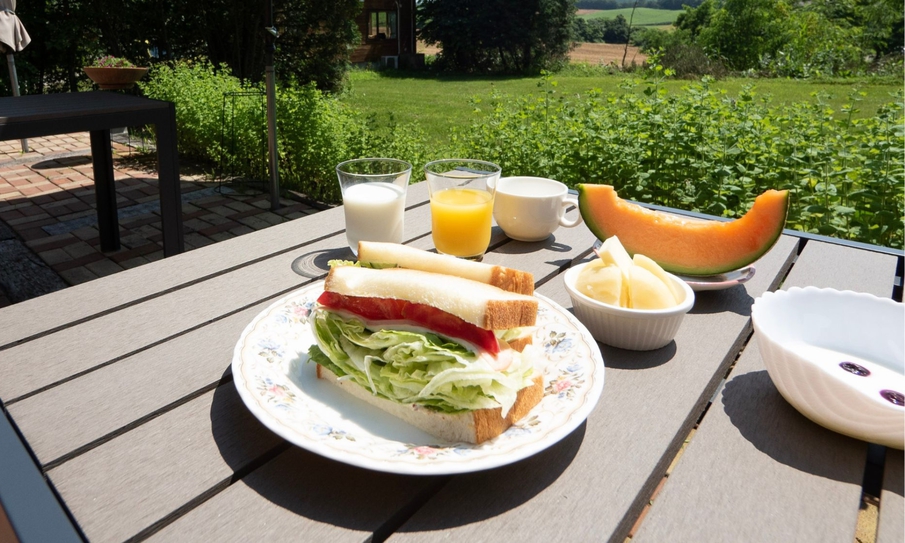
(684, 245)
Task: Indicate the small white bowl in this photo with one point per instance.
(838, 357)
(633, 329)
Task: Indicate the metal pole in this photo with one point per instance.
(14, 83)
(269, 47)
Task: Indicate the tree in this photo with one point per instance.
(742, 31)
(67, 34)
(498, 35)
(692, 20)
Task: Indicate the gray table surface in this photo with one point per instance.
(121, 388)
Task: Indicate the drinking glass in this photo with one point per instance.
(373, 191)
(461, 202)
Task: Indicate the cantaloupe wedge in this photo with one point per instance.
(682, 245)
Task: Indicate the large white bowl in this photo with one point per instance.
(633, 329)
(838, 357)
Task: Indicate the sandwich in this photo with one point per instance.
(375, 254)
(431, 349)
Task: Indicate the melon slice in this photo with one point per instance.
(684, 245)
(604, 283)
(647, 291)
(642, 261)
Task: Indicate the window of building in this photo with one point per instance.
(382, 25)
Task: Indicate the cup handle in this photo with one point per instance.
(563, 221)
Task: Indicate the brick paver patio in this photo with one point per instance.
(47, 203)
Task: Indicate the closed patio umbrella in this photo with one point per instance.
(13, 38)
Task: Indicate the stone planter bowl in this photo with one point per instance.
(115, 78)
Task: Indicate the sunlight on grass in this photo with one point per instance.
(439, 103)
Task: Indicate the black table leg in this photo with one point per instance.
(170, 190)
(104, 190)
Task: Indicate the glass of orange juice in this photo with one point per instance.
(461, 203)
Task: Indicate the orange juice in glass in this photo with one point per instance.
(461, 203)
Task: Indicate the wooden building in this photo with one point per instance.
(387, 34)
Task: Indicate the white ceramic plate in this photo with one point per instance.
(718, 282)
(275, 380)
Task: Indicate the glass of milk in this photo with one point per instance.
(373, 192)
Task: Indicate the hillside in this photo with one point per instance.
(643, 16)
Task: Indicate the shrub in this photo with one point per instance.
(315, 130)
(705, 151)
(689, 61)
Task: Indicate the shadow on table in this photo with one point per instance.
(354, 498)
(774, 427)
(614, 357)
(735, 299)
(316, 263)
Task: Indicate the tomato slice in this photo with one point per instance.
(388, 309)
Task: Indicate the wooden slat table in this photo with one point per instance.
(122, 392)
(97, 112)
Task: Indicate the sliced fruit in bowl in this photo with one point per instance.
(627, 302)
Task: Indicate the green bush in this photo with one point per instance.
(705, 151)
(698, 149)
(315, 131)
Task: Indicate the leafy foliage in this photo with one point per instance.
(109, 61)
(790, 39)
(68, 34)
(615, 30)
(533, 34)
(705, 151)
(740, 32)
(698, 149)
(315, 130)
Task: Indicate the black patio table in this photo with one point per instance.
(132, 427)
(97, 112)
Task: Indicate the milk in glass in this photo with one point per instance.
(374, 212)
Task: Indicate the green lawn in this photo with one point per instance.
(643, 16)
(438, 104)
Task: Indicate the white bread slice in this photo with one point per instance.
(508, 279)
(480, 304)
(468, 427)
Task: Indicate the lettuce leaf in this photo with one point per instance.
(414, 366)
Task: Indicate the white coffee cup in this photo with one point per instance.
(532, 208)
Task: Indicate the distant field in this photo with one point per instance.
(643, 16)
(595, 54)
(599, 54)
(440, 102)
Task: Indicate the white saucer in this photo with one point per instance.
(718, 282)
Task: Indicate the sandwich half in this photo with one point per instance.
(383, 255)
(429, 348)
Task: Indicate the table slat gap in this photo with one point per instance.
(164, 292)
(408, 510)
(153, 344)
(206, 495)
(656, 482)
(93, 444)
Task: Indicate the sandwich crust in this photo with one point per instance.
(404, 256)
(468, 427)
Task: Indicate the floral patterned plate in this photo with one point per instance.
(275, 380)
